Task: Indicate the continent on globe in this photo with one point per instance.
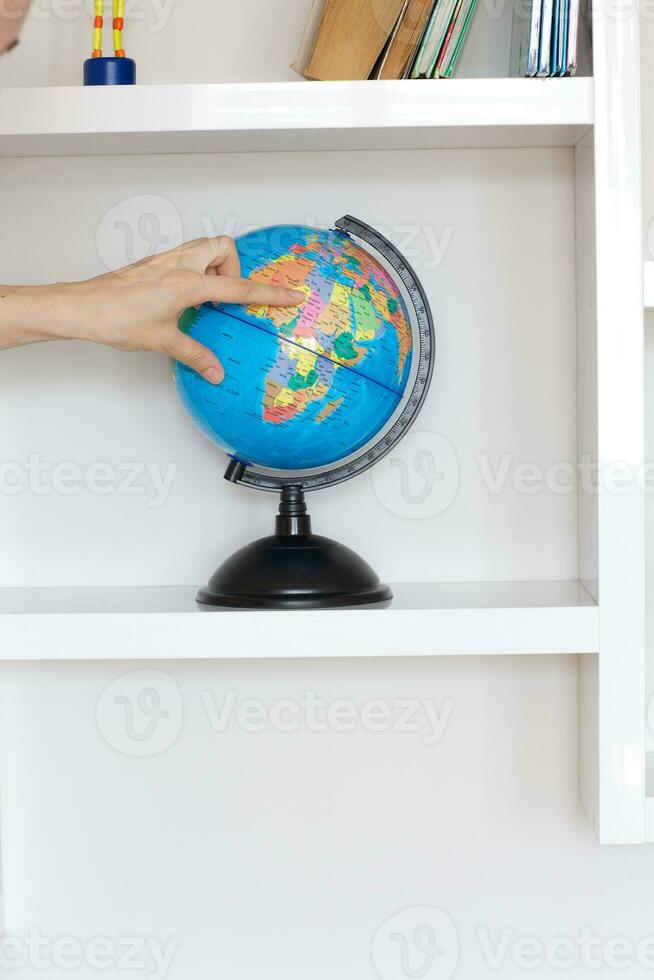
(304, 385)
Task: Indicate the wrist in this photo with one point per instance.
(29, 314)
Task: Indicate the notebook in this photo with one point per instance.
(427, 56)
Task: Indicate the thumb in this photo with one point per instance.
(196, 356)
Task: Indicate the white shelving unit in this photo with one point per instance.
(600, 613)
(649, 286)
(424, 620)
(294, 116)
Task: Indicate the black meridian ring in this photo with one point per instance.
(252, 476)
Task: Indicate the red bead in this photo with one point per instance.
(120, 53)
(118, 23)
(96, 54)
(98, 22)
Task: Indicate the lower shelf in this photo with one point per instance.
(462, 619)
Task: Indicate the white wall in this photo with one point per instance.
(505, 385)
(195, 40)
(271, 853)
(282, 853)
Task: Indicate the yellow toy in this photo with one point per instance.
(116, 70)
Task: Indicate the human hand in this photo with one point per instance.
(11, 22)
(137, 308)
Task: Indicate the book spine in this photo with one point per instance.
(419, 14)
(565, 27)
(440, 61)
(379, 71)
(555, 66)
(416, 71)
(545, 50)
(573, 34)
(531, 62)
(443, 19)
(458, 46)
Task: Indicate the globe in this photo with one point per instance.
(309, 385)
(312, 395)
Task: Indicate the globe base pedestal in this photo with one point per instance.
(294, 569)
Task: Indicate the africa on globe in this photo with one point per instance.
(309, 385)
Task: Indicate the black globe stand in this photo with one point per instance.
(293, 568)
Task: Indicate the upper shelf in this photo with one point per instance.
(294, 116)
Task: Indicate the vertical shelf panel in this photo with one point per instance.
(620, 429)
(587, 448)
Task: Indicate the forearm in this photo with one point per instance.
(29, 314)
(138, 308)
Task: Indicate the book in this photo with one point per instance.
(563, 36)
(573, 35)
(580, 39)
(309, 36)
(429, 50)
(551, 38)
(458, 38)
(449, 31)
(545, 46)
(525, 38)
(351, 36)
(405, 39)
(557, 30)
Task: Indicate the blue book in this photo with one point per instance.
(555, 60)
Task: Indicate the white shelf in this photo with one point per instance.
(423, 620)
(649, 286)
(294, 115)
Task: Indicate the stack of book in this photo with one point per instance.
(549, 37)
(386, 39)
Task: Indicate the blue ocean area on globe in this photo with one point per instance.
(310, 385)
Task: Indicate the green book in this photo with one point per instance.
(425, 61)
(459, 36)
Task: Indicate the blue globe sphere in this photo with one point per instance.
(304, 386)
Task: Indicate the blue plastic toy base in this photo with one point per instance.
(109, 71)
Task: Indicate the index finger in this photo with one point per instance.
(245, 292)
